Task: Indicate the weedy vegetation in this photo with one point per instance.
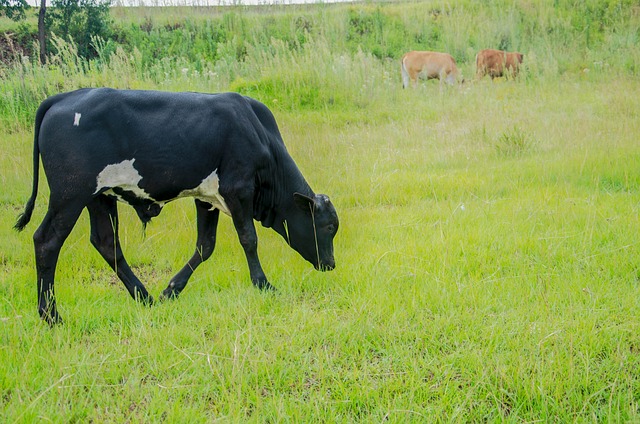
(514, 142)
(488, 267)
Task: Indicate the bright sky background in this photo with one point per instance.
(202, 2)
(211, 2)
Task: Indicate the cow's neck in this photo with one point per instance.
(274, 201)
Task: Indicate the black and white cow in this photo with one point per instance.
(146, 148)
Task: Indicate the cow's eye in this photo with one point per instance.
(331, 228)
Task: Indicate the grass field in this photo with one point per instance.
(487, 270)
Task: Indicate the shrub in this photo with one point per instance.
(515, 142)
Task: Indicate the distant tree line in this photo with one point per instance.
(78, 21)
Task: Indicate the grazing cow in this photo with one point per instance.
(428, 65)
(495, 62)
(146, 148)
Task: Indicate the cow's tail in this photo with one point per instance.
(25, 217)
(404, 73)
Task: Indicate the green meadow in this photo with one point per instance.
(488, 262)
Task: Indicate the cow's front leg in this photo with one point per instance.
(206, 242)
(241, 213)
(103, 215)
(249, 241)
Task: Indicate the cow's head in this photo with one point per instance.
(520, 57)
(310, 229)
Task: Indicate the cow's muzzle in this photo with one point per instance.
(326, 266)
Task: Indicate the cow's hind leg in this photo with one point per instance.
(48, 240)
(103, 214)
(206, 242)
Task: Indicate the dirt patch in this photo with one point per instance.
(13, 46)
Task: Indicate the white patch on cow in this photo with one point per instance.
(208, 191)
(125, 177)
(76, 119)
(122, 175)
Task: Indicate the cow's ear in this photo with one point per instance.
(305, 203)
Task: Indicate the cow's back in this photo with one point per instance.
(429, 65)
(180, 138)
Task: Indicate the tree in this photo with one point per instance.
(42, 36)
(15, 9)
(81, 22)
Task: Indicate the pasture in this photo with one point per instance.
(487, 261)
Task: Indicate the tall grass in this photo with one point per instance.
(487, 253)
(325, 56)
(472, 284)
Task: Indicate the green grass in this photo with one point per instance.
(471, 285)
(487, 257)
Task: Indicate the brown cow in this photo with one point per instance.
(494, 63)
(428, 65)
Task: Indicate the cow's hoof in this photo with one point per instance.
(167, 295)
(52, 319)
(265, 286)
